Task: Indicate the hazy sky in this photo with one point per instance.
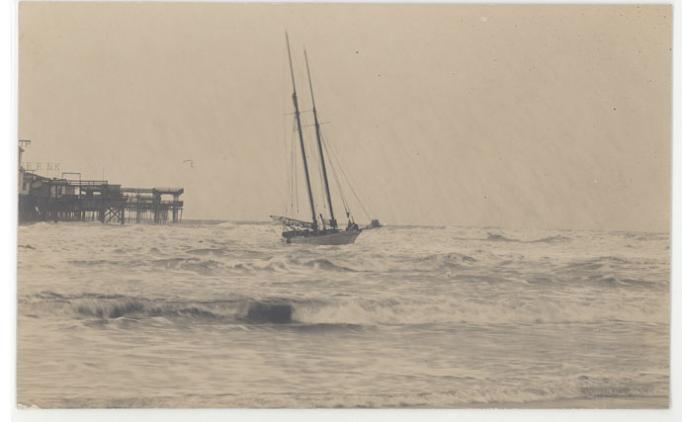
(513, 116)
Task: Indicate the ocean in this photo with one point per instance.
(226, 315)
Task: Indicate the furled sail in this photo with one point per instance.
(292, 222)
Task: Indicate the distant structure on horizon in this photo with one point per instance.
(43, 198)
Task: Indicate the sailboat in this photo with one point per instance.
(318, 231)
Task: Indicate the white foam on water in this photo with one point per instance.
(408, 316)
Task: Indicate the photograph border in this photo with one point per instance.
(8, 218)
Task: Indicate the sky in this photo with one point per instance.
(512, 116)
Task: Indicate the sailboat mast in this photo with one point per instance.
(319, 145)
(294, 97)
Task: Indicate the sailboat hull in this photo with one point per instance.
(337, 238)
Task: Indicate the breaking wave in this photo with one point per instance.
(326, 264)
(497, 237)
(445, 261)
(192, 264)
(333, 312)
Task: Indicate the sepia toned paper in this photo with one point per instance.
(516, 159)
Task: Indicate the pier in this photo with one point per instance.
(44, 198)
(60, 199)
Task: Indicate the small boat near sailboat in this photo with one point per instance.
(318, 231)
(374, 224)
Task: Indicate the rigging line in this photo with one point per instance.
(324, 203)
(350, 185)
(284, 127)
(295, 166)
(292, 175)
(352, 189)
(287, 182)
(292, 169)
(319, 195)
(291, 179)
(293, 188)
(338, 185)
(320, 172)
(337, 179)
(287, 197)
(289, 176)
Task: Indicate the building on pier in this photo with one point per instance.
(59, 199)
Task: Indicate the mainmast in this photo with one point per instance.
(319, 145)
(294, 97)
